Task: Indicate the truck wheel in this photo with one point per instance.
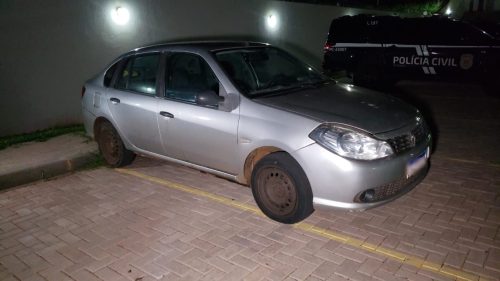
(281, 188)
(112, 148)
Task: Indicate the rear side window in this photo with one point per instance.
(139, 74)
(472, 35)
(436, 31)
(348, 30)
(108, 76)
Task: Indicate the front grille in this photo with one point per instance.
(405, 142)
(389, 190)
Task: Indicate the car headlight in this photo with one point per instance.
(350, 143)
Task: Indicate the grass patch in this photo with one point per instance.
(417, 7)
(41, 135)
(94, 163)
(410, 7)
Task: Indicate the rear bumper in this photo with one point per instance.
(88, 122)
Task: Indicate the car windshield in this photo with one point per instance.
(266, 70)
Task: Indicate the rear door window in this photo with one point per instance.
(139, 74)
(472, 35)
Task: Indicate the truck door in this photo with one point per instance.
(405, 53)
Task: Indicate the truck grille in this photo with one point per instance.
(407, 141)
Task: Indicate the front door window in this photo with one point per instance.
(187, 76)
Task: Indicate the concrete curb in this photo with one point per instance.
(46, 171)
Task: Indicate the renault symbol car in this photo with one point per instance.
(254, 114)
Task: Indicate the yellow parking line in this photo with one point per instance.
(332, 235)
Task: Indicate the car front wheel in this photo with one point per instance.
(112, 148)
(281, 188)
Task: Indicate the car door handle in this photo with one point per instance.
(166, 114)
(114, 100)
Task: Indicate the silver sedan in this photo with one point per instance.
(254, 114)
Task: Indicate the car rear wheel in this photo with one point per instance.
(112, 148)
(281, 188)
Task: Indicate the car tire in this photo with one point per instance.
(281, 188)
(112, 148)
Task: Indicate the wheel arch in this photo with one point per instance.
(97, 123)
(253, 157)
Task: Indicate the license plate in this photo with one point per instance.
(417, 163)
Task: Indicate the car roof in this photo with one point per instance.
(201, 45)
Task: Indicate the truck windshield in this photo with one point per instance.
(264, 70)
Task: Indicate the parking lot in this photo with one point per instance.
(155, 220)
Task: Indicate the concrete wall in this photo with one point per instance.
(50, 47)
(459, 7)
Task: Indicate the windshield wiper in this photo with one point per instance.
(285, 89)
(279, 89)
(314, 84)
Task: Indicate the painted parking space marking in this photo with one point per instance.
(326, 233)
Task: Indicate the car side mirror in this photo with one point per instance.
(209, 98)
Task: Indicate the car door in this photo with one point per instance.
(191, 130)
(133, 103)
(460, 55)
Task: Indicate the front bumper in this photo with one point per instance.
(338, 182)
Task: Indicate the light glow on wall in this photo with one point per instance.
(120, 15)
(272, 21)
(448, 11)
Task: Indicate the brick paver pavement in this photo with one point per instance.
(105, 225)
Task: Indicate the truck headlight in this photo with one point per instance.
(350, 143)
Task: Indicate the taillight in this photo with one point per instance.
(83, 91)
(328, 47)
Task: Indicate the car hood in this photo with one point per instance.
(368, 110)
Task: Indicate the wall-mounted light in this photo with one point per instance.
(272, 21)
(120, 15)
(448, 11)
